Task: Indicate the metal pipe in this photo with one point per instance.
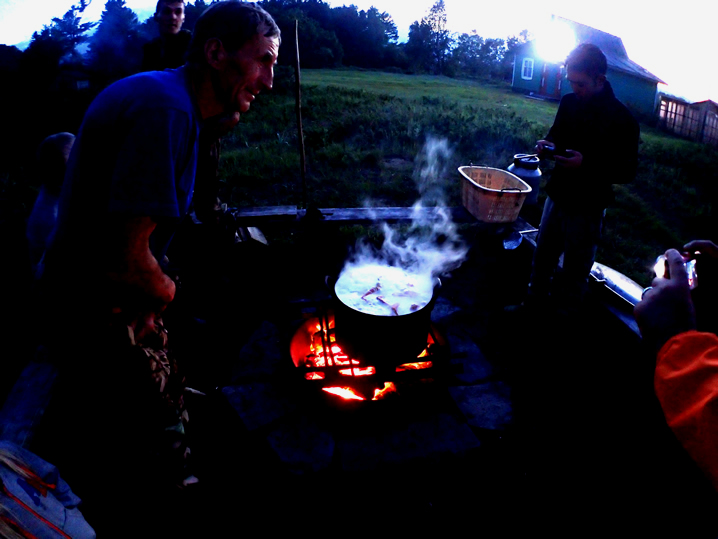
(298, 108)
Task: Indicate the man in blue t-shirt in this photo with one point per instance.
(117, 411)
(131, 173)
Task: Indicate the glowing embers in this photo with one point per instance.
(414, 366)
(344, 392)
(351, 394)
(325, 352)
(315, 350)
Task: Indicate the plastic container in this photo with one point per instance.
(492, 195)
(526, 167)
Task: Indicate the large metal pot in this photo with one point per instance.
(382, 340)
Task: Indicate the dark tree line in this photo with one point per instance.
(332, 37)
(431, 48)
(47, 87)
(328, 37)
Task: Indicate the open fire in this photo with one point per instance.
(316, 351)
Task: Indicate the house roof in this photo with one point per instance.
(708, 103)
(612, 47)
(671, 97)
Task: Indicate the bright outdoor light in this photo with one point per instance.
(554, 41)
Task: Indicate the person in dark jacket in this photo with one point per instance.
(594, 141)
(168, 51)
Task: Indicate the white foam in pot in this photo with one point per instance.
(383, 290)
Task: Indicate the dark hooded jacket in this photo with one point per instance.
(607, 135)
(166, 52)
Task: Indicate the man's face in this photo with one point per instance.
(170, 17)
(583, 85)
(247, 72)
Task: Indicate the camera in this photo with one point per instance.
(661, 269)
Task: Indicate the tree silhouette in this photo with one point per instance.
(512, 43)
(440, 36)
(58, 41)
(192, 12)
(419, 47)
(318, 46)
(115, 48)
(430, 41)
(331, 36)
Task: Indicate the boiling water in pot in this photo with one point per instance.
(383, 290)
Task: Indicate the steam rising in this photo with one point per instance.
(432, 245)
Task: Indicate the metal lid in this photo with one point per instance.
(524, 160)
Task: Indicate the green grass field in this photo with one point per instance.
(466, 92)
(364, 132)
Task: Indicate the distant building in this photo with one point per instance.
(696, 121)
(633, 85)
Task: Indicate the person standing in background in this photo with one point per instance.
(168, 51)
(594, 142)
(52, 156)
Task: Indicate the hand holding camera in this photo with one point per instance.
(689, 264)
(566, 158)
(698, 256)
(666, 308)
(675, 303)
(550, 151)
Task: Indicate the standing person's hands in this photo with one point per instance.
(574, 160)
(542, 144)
(566, 158)
(666, 308)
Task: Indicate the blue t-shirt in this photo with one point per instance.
(135, 154)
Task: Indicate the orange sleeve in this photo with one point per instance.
(686, 384)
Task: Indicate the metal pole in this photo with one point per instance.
(298, 84)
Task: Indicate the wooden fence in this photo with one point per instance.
(696, 121)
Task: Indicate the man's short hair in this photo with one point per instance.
(587, 58)
(160, 2)
(233, 23)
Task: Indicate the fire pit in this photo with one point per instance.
(321, 361)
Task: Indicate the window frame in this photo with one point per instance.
(526, 65)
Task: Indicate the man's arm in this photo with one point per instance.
(133, 266)
(615, 159)
(686, 384)
(686, 375)
(622, 151)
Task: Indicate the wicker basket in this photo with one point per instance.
(492, 195)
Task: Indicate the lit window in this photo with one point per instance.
(527, 69)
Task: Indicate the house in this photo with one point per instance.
(696, 121)
(633, 85)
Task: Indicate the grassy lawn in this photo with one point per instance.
(466, 92)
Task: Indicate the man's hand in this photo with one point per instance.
(705, 293)
(666, 309)
(704, 246)
(541, 145)
(574, 161)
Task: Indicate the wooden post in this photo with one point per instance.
(298, 85)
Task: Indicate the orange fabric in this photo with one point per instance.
(686, 384)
